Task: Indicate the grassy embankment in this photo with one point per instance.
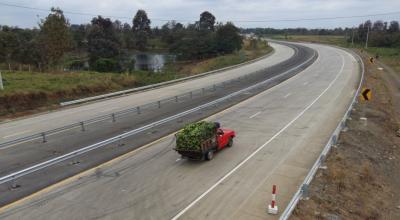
(28, 92)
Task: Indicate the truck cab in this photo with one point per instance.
(225, 138)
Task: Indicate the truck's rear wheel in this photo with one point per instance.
(210, 155)
(230, 142)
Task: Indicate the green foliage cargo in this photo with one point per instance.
(193, 135)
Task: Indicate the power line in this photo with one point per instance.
(322, 18)
(71, 12)
(238, 21)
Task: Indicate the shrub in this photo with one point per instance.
(106, 65)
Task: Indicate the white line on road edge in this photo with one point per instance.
(296, 197)
(260, 148)
(287, 95)
(305, 83)
(254, 115)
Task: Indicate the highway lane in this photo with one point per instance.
(280, 134)
(43, 122)
(27, 154)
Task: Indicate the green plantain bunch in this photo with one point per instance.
(192, 135)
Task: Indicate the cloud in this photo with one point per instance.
(224, 10)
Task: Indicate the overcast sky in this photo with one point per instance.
(187, 11)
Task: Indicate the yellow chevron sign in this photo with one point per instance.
(366, 94)
(371, 60)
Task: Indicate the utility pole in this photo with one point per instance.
(366, 41)
(352, 38)
(1, 82)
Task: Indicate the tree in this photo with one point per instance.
(128, 36)
(394, 27)
(103, 42)
(141, 29)
(8, 45)
(207, 21)
(55, 37)
(228, 38)
(79, 33)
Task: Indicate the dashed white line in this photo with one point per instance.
(254, 115)
(287, 95)
(305, 83)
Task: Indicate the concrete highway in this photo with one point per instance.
(280, 133)
(43, 122)
(17, 157)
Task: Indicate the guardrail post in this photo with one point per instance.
(113, 117)
(191, 95)
(82, 126)
(119, 142)
(44, 137)
(176, 98)
(334, 139)
(14, 184)
(1, 82)
(214, 87)
(322, 162)
(159, 104)
(203, 91)
(304, 192)
(138, 109)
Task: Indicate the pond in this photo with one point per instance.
(152, 61)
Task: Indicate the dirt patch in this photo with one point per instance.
(362, 179)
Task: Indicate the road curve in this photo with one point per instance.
(280, 133)
(34, 162)
(43, 122)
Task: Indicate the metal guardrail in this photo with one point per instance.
(40, 166)
(113, 116)
(158, 85)
(303, 189)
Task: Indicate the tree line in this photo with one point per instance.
(106, 43)
(295, 31)
(380, 33)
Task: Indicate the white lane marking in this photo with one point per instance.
(287, 95)
(380, 68)
(16, 134)
(254, 115)
(305, 83)
(177, 159)
(261, 147)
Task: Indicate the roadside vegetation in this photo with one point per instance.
(56, 62)
(28, 92)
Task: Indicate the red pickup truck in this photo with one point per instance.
(220, 139)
